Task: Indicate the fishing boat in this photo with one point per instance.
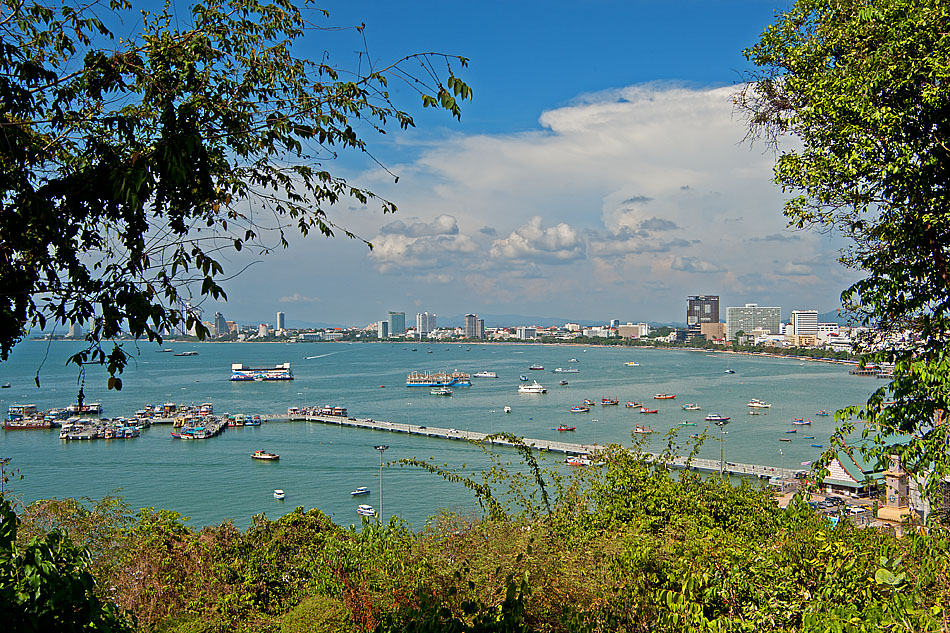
(365, 510)
(362, 490)
(792, 431)
(801, 422)
(633, 405)
(609, 401)
(691, 407)
(646, 410)
(279, 494)
(536, 367)
(821, 412)
(816, 445)
(440, 391)
(715, 417)
(580, 408)
(265, 456)
(588, 402)
(758, 404)
(642, 430)
(664, 396)
(564, 427)
(535, 387)
(809, 437)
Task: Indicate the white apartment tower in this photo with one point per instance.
(280, 322)
(752, 317)
(425, 323)
(804, 322)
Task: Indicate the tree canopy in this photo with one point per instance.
(863, 87)
(130, 166)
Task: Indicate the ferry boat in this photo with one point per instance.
(536, 367)
(646, 410)
(485, 374)
(243, 373)
(265, 456)
(440, 391)
(568, 370)
(664, 396)
(642, 430)
(609, 401)
(438, 379)
(758, 404)
(20, 411)
(580, 408)
(715, 417)
(691, 407)
(362, 490)
(536, 387)
(564, 427)
(365, 510)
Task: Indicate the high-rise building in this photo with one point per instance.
(397, 323)
(480, 328)
(75, 330)
(471, 326)
(752, 317)
(702, 309)
(425, 323)
(280, 322)
(804, 322)
(615, 323)
(382, 329)
(220, 325)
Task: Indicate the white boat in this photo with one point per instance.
(362, 490)
(758, 404)
(632, 363)
(279, 494)
(718, 419)
(507, 409)
(577, 460)
(484, 374)
(440, 391)
(535, 387)
(573, 360)
(569, 370)
(365, 510)
(691, 407)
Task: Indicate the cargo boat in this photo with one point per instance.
(438, 379)
(242, 373)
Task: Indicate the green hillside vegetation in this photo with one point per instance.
(625, 546)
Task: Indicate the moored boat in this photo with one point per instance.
(569, 370)
(691, 407)
(821, 412)
(642, 430)
(715, 417)
(564, 427)
(646, 410)
(536, 367)
(687, 423)
(633, 405)
(632, 363)
(362, 490)
(609, 401)
(563, 383)
(438, 379)
(507, 409)
(758, 404)
(535, 387)
(265, 456)
(577, 460)
(365, 510)
(485, 374)
(279, 494)
(801, 422)
(580, 408)
(440, 391)
(664, 396)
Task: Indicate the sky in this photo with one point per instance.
(598, 173)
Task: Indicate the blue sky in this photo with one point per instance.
(598, 173)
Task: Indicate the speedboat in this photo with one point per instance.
(632, 363)
(279, 494)
(362, 490)
(563, 383)
(715, 417)
(507, 409)
(265, 456)
(729, 371)
(536, 387)
(522, 378)
(365, 510)
(536, 367)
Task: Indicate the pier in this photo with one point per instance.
(553, 446)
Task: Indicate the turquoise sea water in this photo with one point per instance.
(215, 479)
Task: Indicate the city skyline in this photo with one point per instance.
(614, 171)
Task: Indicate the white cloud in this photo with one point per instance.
(532, 242)
(299, 298)
(694, 265)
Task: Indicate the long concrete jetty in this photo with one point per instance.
(567, 448)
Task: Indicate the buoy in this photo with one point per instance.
(382, 386)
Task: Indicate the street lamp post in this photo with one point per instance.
(721, 453)
(381, 448)
(782, 453)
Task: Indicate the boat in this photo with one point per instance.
(687, 423)
(166, 350)
(573, 360)
(507, 409)
(792, 431)
(522, 378)
(440, 391)
(691, 407)
(438, 379)
(632, 363)
(664, 396)
(801, 422)
(536, 387)
(754, 412)
(580, 408)
(563, 383)
(588, 402)
(642, 430)
(715, 417)
(821, 412)
(809, 437)
(816, 445)
(279, 494)
(569, 370)
(564, 427)
(784, 439)
(758, 404)
(5, 385)
(609, 401)
(645, 410)
(633, 405)
(484, 374)
(536, 367)
(729, 371)
(365, 510)
(694, 436)
(243, 373)
(362, 490)
(192, 353)
(577, 460)
(265, 456)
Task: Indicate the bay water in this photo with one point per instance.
(213, 480)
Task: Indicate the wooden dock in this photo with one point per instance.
(567, 448)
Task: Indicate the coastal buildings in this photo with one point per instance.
(220, 326)
(474, 327)
(804, 322)
(382, 329)
(700, 310)
(280, 322)
(752, 317)
(397, 323)
(425, 324)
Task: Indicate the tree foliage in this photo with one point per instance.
(863, 87)
(131, 166)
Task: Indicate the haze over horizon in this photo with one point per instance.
(599, 172)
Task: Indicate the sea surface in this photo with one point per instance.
(214, 480)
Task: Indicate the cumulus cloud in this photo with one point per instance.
(776, 237)
(420, 245)
(442, 225)
(299, 298)
(694, 265)
(558, 244)
(658, 224)
(796, 269)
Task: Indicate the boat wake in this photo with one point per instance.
(320, 355)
